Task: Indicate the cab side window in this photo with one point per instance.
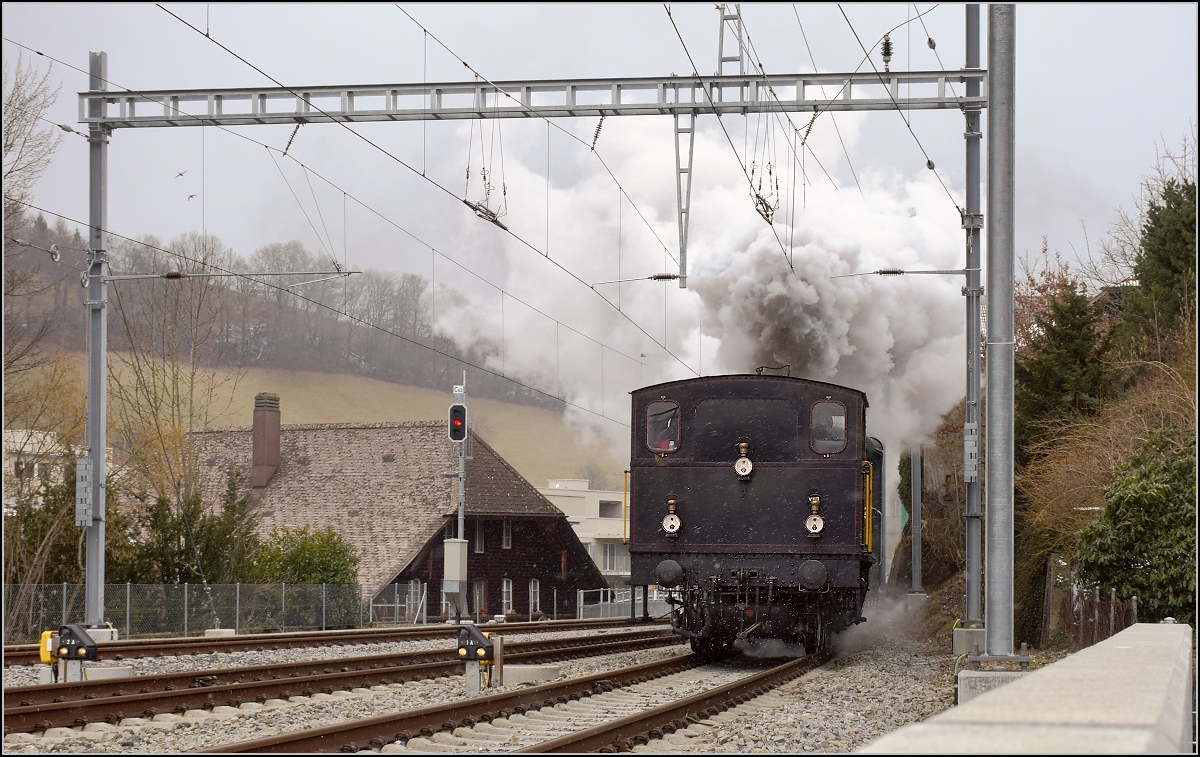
(828, 427)
(662, 426)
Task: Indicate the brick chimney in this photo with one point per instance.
(266, 438)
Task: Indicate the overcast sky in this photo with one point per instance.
(1101, 89)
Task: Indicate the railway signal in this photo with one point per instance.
(458, 422)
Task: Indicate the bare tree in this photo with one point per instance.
(28, 140)
(169, 347)
(1113, 265)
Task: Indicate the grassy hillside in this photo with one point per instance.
(534, 441)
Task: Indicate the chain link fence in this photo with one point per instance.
(144, 610)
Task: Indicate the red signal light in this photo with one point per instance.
(458, 422)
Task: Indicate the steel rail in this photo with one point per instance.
(96, 701)
(377, 731)
(28, 654)
(639, 728)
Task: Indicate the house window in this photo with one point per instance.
(535, 596)
(480, 596)
(506, 596)
(449, 529)
(479, 537)
(610, 557)
(610, 509)
(506, 540)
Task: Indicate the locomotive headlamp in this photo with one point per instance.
(742, 466)
(671, 522)
(814, 523)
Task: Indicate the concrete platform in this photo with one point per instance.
(219, 632)
(1131, 693)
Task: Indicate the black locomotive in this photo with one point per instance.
(758, 500)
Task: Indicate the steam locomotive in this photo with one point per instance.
(758, 501)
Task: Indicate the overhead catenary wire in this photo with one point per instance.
(907, 122)
(298, 202)
(341, 313)
(833, 120)
(381, 215)
(549, 123)
(439, 186)
(708, 95)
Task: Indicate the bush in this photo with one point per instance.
(1144, 543)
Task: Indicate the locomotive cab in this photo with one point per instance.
(755, 500)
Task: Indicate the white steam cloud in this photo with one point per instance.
(899, 339)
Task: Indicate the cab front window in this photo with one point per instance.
(662, 427)
(828, 427)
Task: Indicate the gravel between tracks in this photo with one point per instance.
(880, 681)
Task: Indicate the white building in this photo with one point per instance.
(30, 458)
(599, 519)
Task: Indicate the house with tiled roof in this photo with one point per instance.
(381, 486)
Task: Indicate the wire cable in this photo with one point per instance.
(335, 311)
(388, 220)
(928, 161)
(549, 123)
(725, 131)
(439, 186)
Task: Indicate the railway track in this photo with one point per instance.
(129, 649)
(38, 708)
(604, 712)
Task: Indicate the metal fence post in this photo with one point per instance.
(1095, 612)
(237, 608)
(1135, 608)
(283, 607)
(185, 609)
(64, 621)
(127, 588)
(323, 606)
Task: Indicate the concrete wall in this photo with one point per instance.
(1131, 693)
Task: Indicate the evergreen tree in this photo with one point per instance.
(179, 542)
(1165, 268)
(1063, 373)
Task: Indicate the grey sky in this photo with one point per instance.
(1098, 86)
(1101, 87)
